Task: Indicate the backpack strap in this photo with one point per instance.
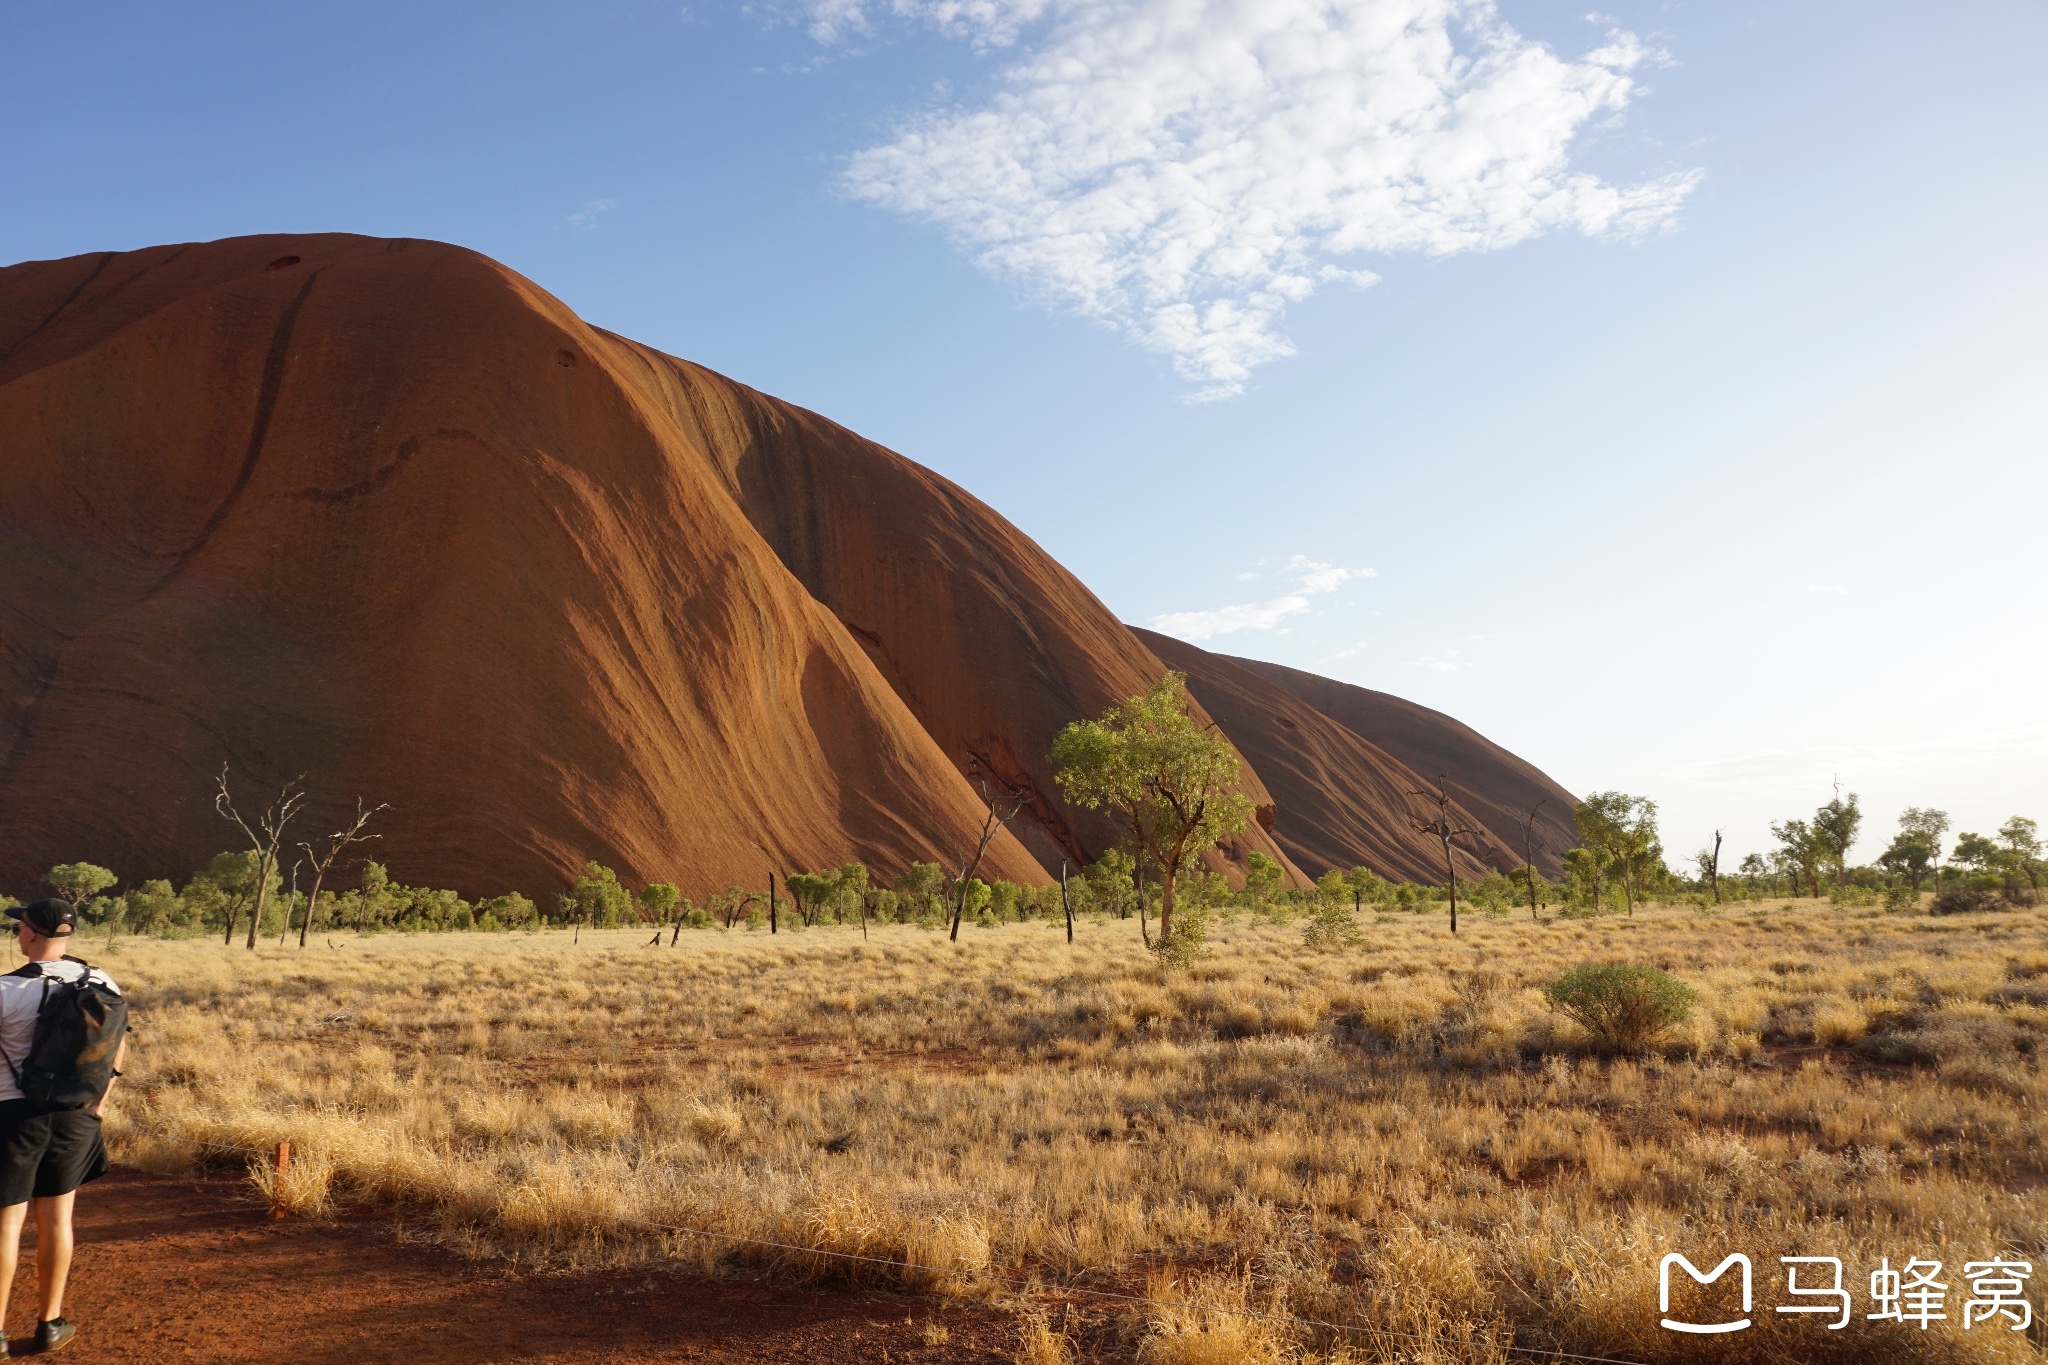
(14, 1070)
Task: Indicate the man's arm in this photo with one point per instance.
(120, 1056)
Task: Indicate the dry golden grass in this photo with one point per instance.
(1399, 1136)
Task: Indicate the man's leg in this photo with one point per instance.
(10, 1251)
(53, 1249)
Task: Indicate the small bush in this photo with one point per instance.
(1331, 925)
(1624, 1007)
(1969, 898)
(1189, 942)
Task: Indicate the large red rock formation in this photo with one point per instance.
(1342, 763)
(387, 515)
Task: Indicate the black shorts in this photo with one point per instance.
(44, 1155)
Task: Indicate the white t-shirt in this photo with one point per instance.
(21, 999)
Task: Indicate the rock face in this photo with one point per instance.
(1341, 762)
(386, 515)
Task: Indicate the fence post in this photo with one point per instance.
(284, 1161)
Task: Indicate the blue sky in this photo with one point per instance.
(1692, 429)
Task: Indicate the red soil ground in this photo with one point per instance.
(182, 1269)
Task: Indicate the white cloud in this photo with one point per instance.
(1183, 170)
(588, 217)
(1312, 578)
(1446, 662)
(1202, 625)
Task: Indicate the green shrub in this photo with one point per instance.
(1189, 942)
(1331, 925)
(1623, 1007)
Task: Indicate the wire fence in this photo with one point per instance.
(906, 1268)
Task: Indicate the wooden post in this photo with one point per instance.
(284, 1161)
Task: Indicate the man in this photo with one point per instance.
(44, 1156)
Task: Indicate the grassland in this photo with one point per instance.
(1399, 1135)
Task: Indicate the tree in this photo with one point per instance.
(596, 896)
(658, 898)
(1622, 830)
(336, 842)
(1753, 868)
(809, 890)
(76, 881)
(1263, 876)
(267, 834)
(1709, 862)
(1001, 805)
(852, 881)
(920, 882)
(234, 876)
(1446, 829)
(1834, 828)
(2022, 840)
(1530, 843)
(1933, 825)
(1979, 854)
(1800, 852)
(1170, 780)
(1909, 855)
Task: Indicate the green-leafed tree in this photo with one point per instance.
(1622, 830)
(2022, 840)
(851, 881)
(1263, 876)
(597, 898)
(810, 891)
(658, 899)
(1932, 824)
(1110, 887)
(1835, 827)
(1800, 852)
(1367, 887)
(919, 883)
(1909, 855)
(1170, 780)
(75, 881)
(1979, 854)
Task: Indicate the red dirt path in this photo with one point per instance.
(182, 1269)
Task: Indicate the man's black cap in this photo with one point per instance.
(51, 917)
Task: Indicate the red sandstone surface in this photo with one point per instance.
(387, 515)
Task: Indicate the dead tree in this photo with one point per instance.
(1001, 809)
(1529, 854)
(291, 899)
(336, 842)
(1066, 904)
(272, 822)
(1714, 867)
(1443, 829)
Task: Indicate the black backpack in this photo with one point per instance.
(79, 1027)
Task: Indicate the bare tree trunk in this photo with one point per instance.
(284, 935)
(771, 902)
(862, 906)
(1714, 868)
(1451, 881)
(1065, 903)
(1529, 857)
